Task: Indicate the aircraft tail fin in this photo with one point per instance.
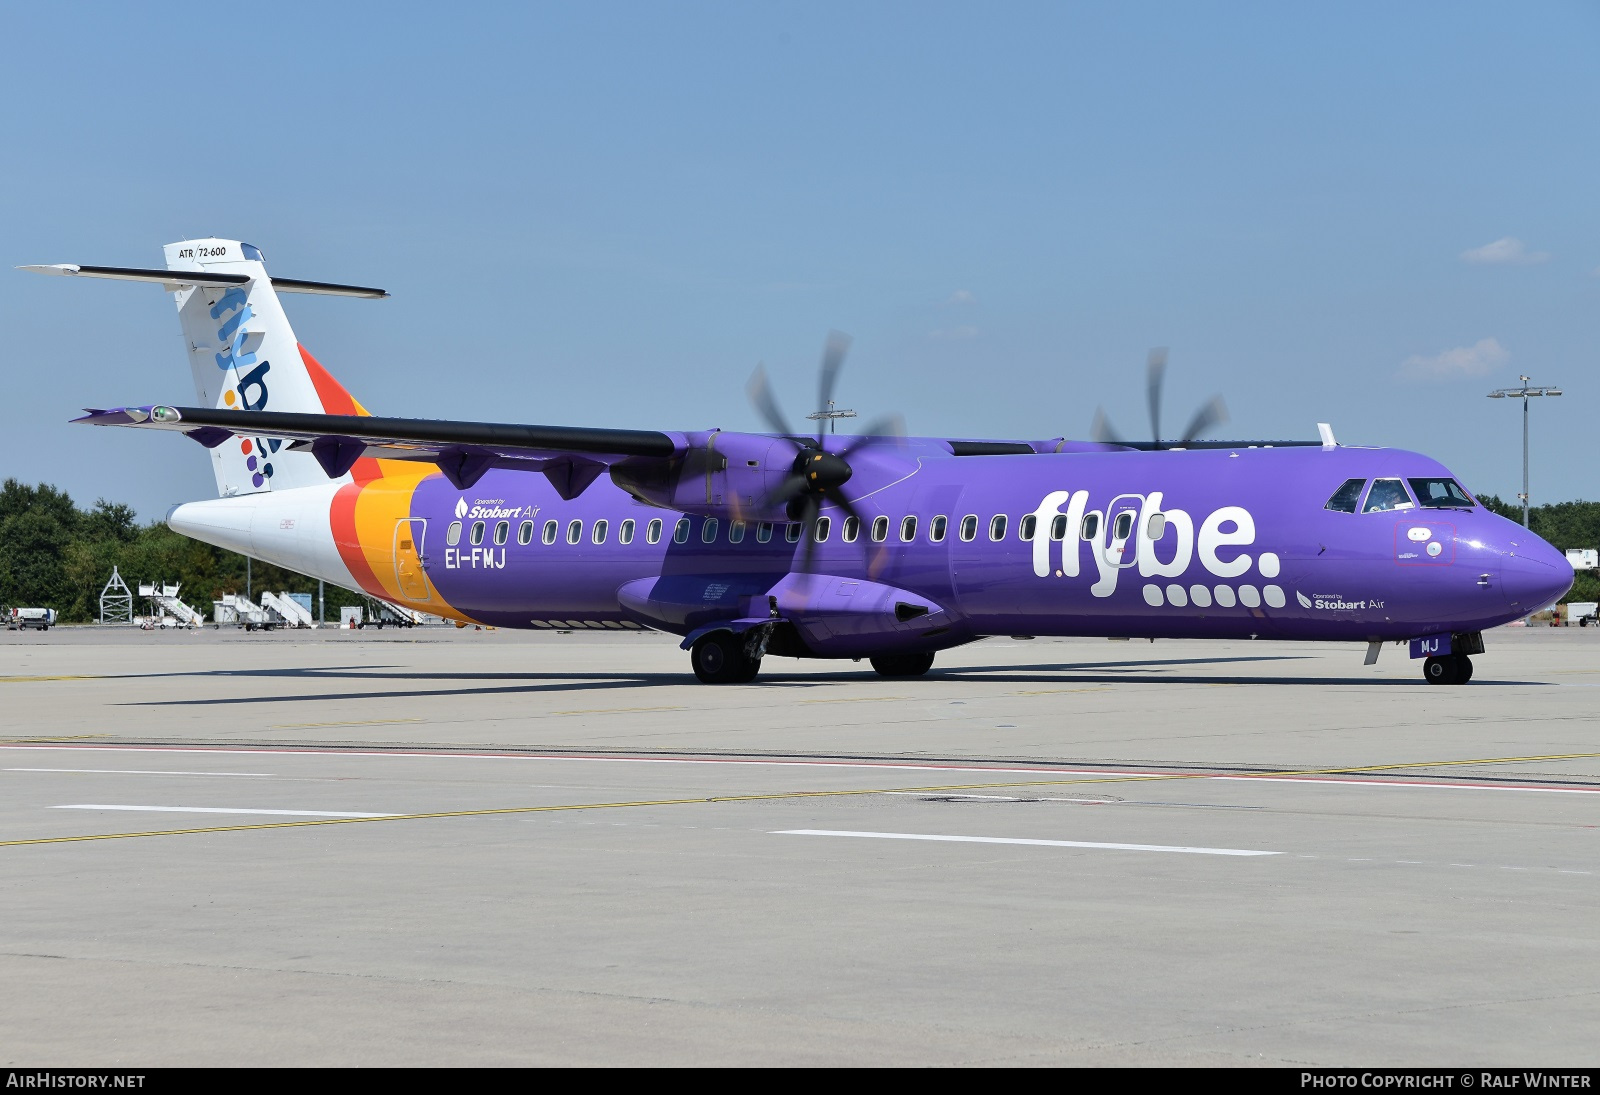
(243, 353)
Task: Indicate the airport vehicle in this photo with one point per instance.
(876, 546)
(20, 619)
(1583, 558)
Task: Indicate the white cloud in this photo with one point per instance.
(1462, 361)
(961, 296)
(1506, 251)
(954, 334)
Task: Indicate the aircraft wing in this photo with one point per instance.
(570, 456)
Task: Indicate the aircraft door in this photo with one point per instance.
(410, 559)
(1122, 530)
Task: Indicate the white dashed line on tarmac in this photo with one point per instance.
(1026, 841)
(136, 772)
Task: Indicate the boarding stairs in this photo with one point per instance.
(291, 611)
(241, 612)
(164, 599)
(380, 613)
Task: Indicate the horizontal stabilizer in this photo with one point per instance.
(198, 277)
(128, 273)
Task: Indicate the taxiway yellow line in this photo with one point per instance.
(505, 811)
(20, 680)
(358, 722)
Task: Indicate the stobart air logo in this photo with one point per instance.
(1136, 532)
(490, 509)
(247, 386)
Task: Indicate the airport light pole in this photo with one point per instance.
(831, 416)
(1524, 393)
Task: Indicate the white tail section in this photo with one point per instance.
(244, 356)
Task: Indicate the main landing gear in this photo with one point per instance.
(902, 665)
(720, 658)
(1449, 669)
(725, 658)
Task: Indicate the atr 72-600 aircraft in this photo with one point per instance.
(879, 546)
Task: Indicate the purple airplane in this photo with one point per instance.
(879, 546)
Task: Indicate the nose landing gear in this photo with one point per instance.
(1449, 669)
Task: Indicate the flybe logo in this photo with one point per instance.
(248, 388)
(1136, 534)
(489, 509)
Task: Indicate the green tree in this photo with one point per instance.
(33, 560)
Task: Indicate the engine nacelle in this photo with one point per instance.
(721, 473)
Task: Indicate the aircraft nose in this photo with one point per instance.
(1536, 576)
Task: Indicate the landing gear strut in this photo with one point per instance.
(1449, 669)
(720, 658)
(902, 665)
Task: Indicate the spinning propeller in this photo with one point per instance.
(1211, 414)
(817, 475)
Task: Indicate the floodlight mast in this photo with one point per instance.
(831, 416)
(1525, 393)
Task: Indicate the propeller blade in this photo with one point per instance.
(761, 397)
(888, 430)
(833, 352)
(811, 508)
(792, 487)
(1212, 414)
(1102, 431)
(1155, 368)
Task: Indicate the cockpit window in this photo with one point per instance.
(1386, 494)
(1345, 498)
(1440, 494)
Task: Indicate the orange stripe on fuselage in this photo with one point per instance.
(366, 512)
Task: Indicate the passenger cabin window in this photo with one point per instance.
(736, 532)
(791, 532)
(1440, 494)
(452, 535)
(477, 533)
(851, 530)
(1156, 527)
(708, 531)
(820, 529)
(969, 527)
(1058, 527)
(625, 531)
(1026, 527)
(908, 529)
(525, 533)
(1122, 526)
(600, 531)
(763, 532)
(680, 531)
(502, 532)
(1386, 494)
(997, 527)
(1345, 498)
(937, 528)
(1091, 527)
(574, 532)
(880, 529)
(550, 530)
(652, 532)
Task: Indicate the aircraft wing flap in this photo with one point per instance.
(570, 456)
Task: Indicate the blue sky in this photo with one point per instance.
(594, 214)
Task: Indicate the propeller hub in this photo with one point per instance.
(823, 471)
